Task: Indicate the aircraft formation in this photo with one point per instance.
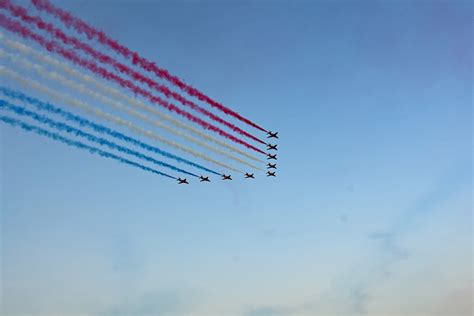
(134, 111)
(248, 175)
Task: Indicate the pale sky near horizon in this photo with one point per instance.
(371, 212)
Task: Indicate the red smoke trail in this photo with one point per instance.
(21, 12)
(82, 27)
(53, 46)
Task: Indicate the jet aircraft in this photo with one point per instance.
(272, 134)
(224, 177)
(183, 181)
(271, 174)
(274, 157)
(271, 166)
(204, 179)
(249, 175)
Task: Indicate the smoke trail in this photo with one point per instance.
(42, 106)
(71, 130)
(81, 27)
(88, 108)
(69, 142)
(84, 90)
(21, 13)
(53, 46)
(114, 92)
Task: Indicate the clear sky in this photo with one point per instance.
(371, 212)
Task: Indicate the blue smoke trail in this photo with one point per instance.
(98, 128)
(67, 141)
(69, 129)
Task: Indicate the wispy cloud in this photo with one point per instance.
(353, 292)
(152, 304)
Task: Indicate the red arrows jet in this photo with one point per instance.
(183, 181)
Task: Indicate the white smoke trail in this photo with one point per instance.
(91, 109)
(121, 96)
(84, 90)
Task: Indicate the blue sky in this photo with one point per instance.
(371, 212)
